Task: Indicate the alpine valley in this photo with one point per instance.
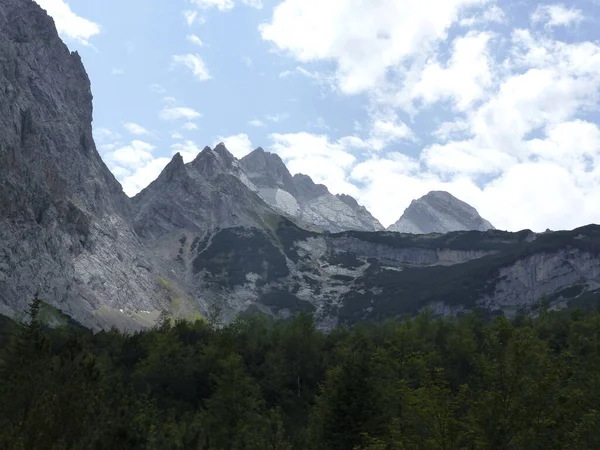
(234, 236)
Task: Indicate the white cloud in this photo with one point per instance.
(491, 14)
(104, 135)
(239, 144)
(464, 79)
(256, 123)
(189, 126)
(364, 38)
(519, 144)
(258, 4)
(188, 150)
(172, 113)
(194, 40)
(133, 182)
(176, 135)
(116, 71)
(132, 156)
(557, 15)
(386, 128)
(221, 5)
(325, 161)
(247, 61)
(69, 24)
(135, 128)
(190, 17)
(194, 63)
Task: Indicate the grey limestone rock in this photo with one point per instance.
(301, 198)
(64, 219)
(439, 212)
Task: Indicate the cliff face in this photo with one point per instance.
(63, 217)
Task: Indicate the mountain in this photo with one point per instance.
(300, 198)
(439, 212)
(64, 219)
(228, 235)
(205, 194)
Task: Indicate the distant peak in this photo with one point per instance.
(222, 151)
(348, 200)
(307, 188)
(440, 194)
(177, 158)
(439, 212)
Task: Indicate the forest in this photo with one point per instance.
(258, 383)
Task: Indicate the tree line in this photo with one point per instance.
(257, 384)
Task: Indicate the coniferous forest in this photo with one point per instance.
(420, 383)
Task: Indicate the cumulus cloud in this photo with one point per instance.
(326, 161)
(194, 63)
(258, 4)
(493, 14)
(256, 123)
(510, 115)
(68, 24)
(192, 38)
(364, 38)
(238, 144)
(188, 150)
(172, 113)
(221, 5)
(190, 17)
(189, 126)
(557, 15)
(134, 165)
(135, 128)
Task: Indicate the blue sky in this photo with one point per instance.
(385, 100)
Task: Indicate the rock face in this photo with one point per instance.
(300, 198)
(210, 192)
(64, 220)
(238, 234)
(439, 212)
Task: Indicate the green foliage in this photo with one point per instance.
(258, 383)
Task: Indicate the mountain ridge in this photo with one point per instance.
(214, 234)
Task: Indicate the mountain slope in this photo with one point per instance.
(205, 194)
(63, 217)
(439, 212)
(299, 197)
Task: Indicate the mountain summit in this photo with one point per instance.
(439, 212)
(301, 198)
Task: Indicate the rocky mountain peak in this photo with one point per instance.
(268, 170)
(222, 151)
(439, 212)
(307, 188)
(348, 200)
(212, 162)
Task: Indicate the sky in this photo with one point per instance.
(496, 102)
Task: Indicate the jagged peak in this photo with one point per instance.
(348, 200)
(307, 188)
(259, 155)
